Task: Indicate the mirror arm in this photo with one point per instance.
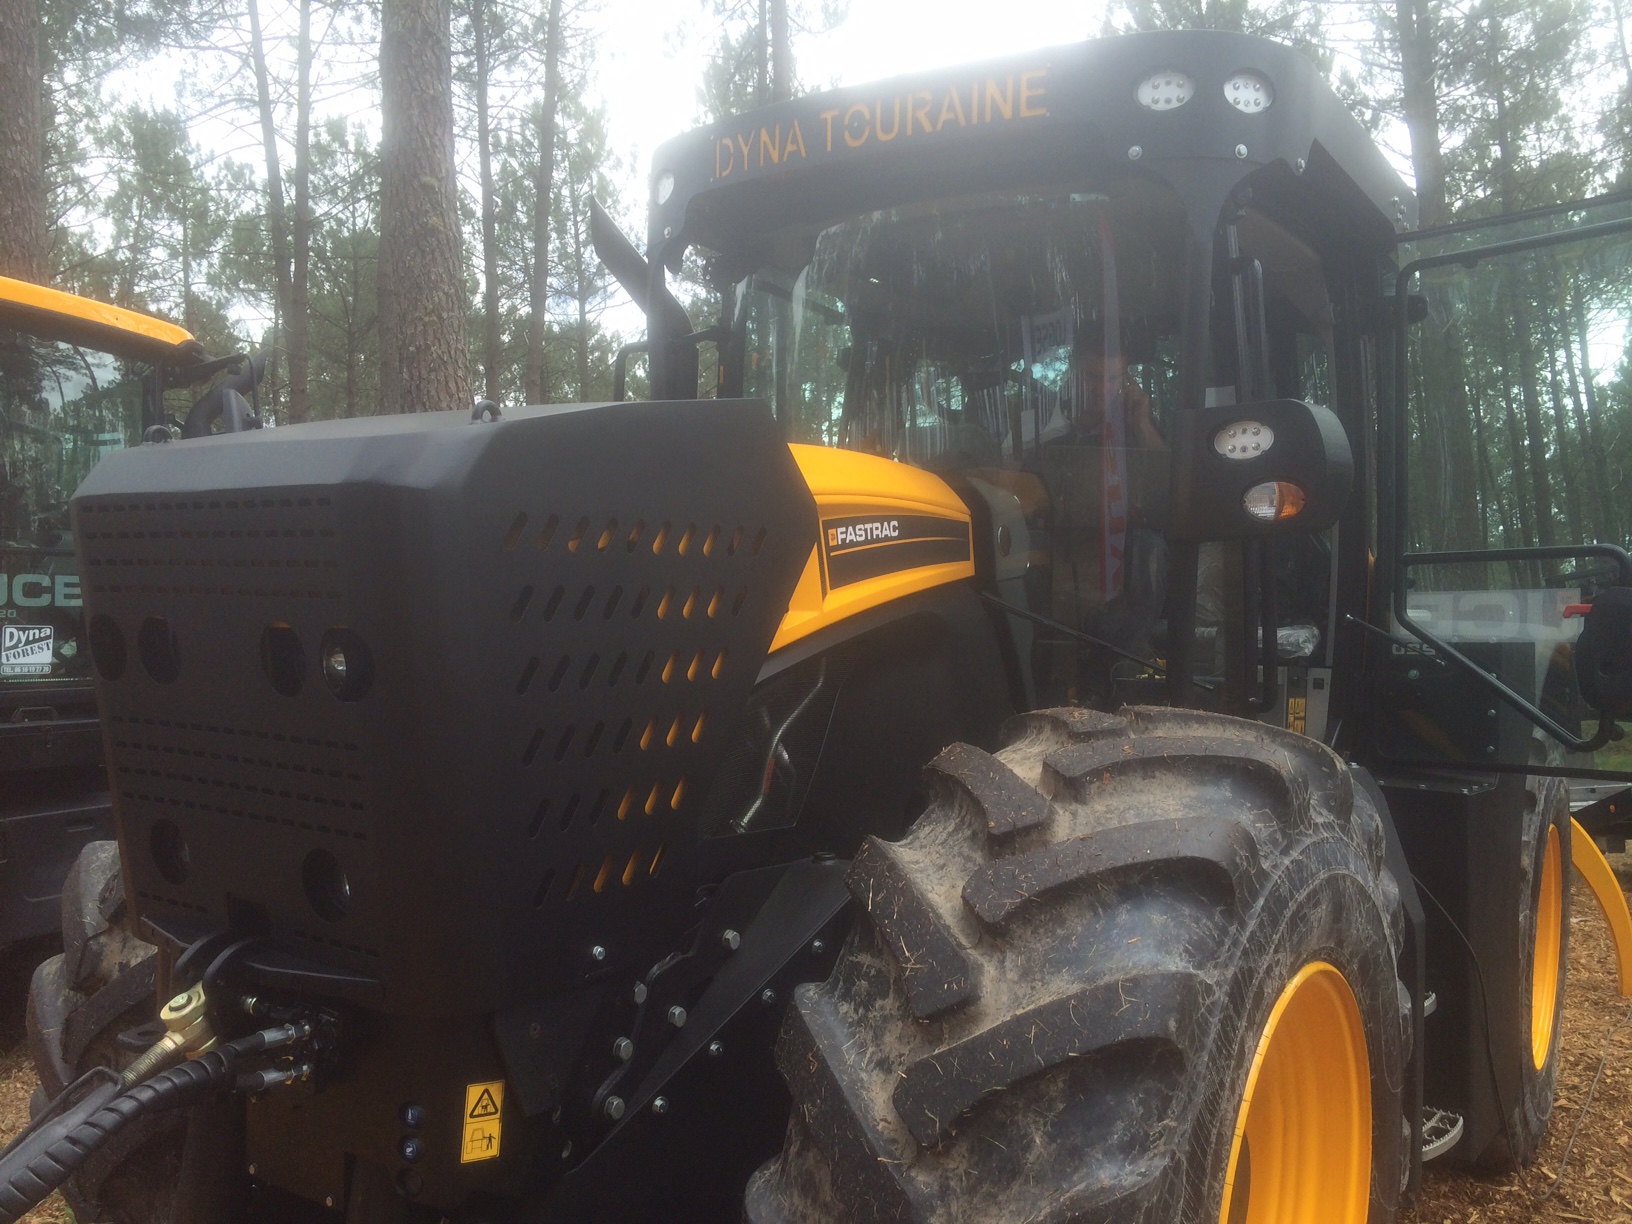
(667, 323)
(1259, 321)
(1244, 390)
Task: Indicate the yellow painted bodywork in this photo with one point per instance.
(851, 483)
(83, 315)
(1600, 877)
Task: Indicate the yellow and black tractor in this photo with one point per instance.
(631, 811)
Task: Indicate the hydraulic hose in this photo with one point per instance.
(95, 1108)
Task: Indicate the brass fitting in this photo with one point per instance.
(186, 1017)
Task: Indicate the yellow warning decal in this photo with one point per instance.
(484, 1103)
(1297, 714)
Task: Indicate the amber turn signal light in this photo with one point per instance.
(1274, 500)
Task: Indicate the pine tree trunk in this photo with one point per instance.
(140, 236)
(538, 284)
(300, 317)
(1608, 506)
(1595, 487)
(1621, 53)
(1418, 52)
(1535, 461)
(1515, 455)
(1567, 463)
(490, 223)
(24, 246)
(1447, 441)
(277, 222)
(1530, 397)
(423, 358)
(354, 328)
(186, 273)
(581, 288)
(1493, 489)
(762, 41)
(781, 52)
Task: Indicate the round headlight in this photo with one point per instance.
(1165, 90)
(664, 187)
(1249, 92)
(348, 666)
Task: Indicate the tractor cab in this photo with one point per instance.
(1079, 284)
(1040, 280)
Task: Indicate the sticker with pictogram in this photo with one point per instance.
(484, 1105)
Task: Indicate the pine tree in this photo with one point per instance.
(23, 236)
(422, 304)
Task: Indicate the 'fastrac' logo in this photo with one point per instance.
(863, 533)
(25, 650)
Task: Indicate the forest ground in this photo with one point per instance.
(1597, 1186)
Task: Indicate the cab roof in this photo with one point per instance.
(66, 316)
(1065, 110)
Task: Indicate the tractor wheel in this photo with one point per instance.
(96, 1005)
(1544, 961)
(1134, 967)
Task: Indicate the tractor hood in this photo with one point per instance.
(427, 707)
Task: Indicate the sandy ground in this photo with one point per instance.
(17, 1082)
(1597, 1185)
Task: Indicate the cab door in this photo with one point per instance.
(1505, 502)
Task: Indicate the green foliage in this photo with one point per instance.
(739, 73)
(345, 250)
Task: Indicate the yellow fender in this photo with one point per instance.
(1600, 877)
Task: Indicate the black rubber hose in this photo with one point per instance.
(69, 1135)
(83, 1097)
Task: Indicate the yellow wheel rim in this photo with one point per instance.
(1549, 945)
(1302, 1144)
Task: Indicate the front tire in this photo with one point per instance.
(104, 984)
(1071, 968)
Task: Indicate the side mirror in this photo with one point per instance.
(1603, 653)
(1248, 471)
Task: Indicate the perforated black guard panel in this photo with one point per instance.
(564, 612)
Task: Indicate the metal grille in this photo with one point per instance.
(565, 613)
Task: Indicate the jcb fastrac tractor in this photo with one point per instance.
(629, 811)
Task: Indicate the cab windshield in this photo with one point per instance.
(62, 407)
(1029, 342)
(974, 333)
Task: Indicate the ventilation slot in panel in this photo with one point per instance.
(622, 642)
